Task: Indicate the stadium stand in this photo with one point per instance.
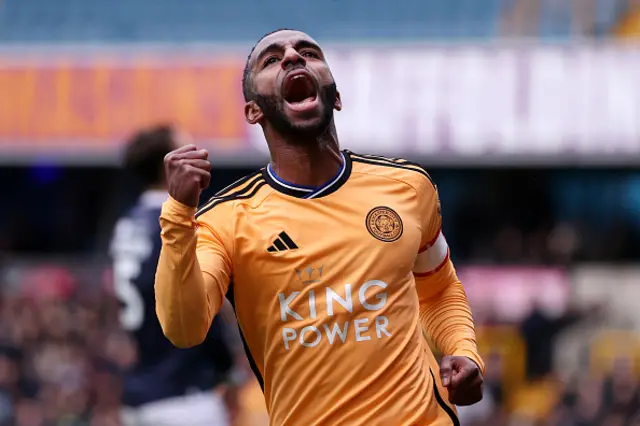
(240, 20)
(560, 20)
(244, 20)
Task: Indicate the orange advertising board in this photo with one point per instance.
(93, 103)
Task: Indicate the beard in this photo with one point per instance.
(273, 109)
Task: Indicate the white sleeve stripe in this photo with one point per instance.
(432, 257)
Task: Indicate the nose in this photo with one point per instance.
(292, 58)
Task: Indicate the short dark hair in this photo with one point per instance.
(247, 83)
(145, 152)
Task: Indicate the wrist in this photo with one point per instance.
(475, 362)
(473, 356)
(179, 212)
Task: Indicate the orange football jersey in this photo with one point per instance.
(332, 287)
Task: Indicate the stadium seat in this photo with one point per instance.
(555, 20)
(243, 20)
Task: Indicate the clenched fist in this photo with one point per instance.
(463, 379)
(188, 173)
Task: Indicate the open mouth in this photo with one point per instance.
(299, 89)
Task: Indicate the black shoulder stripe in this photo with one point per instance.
(235, 184)
(382, 158)
(405, 166)
(229, 193)
(401, 161)
(243, 194)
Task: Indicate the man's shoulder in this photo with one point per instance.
(244, 190)
(399, 169)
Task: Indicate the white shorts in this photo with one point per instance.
(199, 409)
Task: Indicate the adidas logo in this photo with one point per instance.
(282, 243)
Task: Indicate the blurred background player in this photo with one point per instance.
(166, 385)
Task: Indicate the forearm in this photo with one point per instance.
(446, 316)
(184, 306)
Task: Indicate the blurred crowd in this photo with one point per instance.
(62, 354)
(585, 400)
(525, 388)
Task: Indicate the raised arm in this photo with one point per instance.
(194, 268)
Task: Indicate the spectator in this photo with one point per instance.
(540, 331)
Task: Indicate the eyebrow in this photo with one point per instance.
(300, 44)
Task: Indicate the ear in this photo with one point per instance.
(252, 112)
(338, 105)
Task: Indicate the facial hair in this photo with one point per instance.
(273, 109)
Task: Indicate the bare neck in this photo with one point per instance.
(306, 163)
